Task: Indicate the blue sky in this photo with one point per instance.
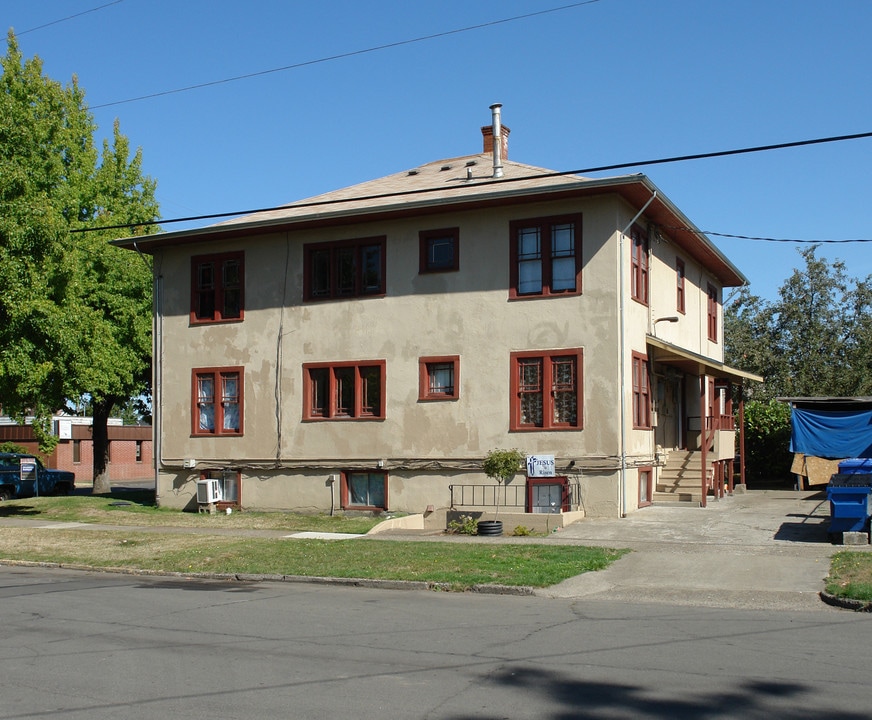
(609, 81)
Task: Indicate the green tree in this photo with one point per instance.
(814, 340)
(75, 312)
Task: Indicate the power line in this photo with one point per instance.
(601, 168)
(69, 17)
(773, 239)
(341, 56)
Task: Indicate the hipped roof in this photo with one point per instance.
(450, 185)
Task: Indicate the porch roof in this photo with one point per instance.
(694, 363)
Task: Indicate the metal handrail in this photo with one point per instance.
(510, 496)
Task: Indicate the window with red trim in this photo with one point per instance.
(641, 393)
(364, 490)
(545, 256)
(229, 486)
(344, 269)
(439, 250)
(639, 270)
(679, 285)
(217, 287)
(439, 378)
(217, 403)
(546, 390)
(712, 313)
(341, 391)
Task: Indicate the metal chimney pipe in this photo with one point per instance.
(498, 140)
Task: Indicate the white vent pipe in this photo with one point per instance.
(498, 140)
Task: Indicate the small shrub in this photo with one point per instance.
(521, 531)
(464, 525)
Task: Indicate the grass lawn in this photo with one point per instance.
(458, 565)
(851, 575)
(138, 508)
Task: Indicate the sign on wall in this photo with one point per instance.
(540, 466)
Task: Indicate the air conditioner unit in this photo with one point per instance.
(208, 491)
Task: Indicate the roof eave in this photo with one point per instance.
(635, 189)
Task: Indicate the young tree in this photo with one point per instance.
(75, 313)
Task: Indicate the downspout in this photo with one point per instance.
(622, 484)
(156, 373)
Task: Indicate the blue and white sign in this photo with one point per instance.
(540, 466)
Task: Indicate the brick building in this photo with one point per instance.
(130, 448)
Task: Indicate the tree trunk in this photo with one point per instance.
(100, 436)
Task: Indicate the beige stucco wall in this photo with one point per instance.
(286, 463)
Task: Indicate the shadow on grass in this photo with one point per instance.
(11, 510)
(121, 497)
(144, 498)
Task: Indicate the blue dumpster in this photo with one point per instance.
(850, 496)
(855, 466)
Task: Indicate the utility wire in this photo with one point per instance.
(351, 53)
(600, 168)
(775, 240)
(69, 17)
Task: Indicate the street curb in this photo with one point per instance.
(517, 590)
(846, 603)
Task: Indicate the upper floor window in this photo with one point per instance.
(712, 313)
(217, 401)
(639, 270)
(344, 269)
(217, 285)
(680, 302)
(439, 378)
(641, 392)
(546, 390)
(439, 250)
(545, 257)
(337, 391)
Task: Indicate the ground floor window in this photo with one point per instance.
(228, 485)
(646, 486)
(547, 495)
(365, 490)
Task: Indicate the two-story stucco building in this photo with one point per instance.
(366, 348)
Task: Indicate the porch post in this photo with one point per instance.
(703, 439)
(742, 433)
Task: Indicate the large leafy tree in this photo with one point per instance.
(75, 312)
(813, 340)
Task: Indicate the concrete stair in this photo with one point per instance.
(679, 480)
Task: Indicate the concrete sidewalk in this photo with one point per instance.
(761, 549)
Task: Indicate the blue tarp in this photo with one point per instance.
(832, 434)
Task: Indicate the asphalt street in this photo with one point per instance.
(92, 646)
